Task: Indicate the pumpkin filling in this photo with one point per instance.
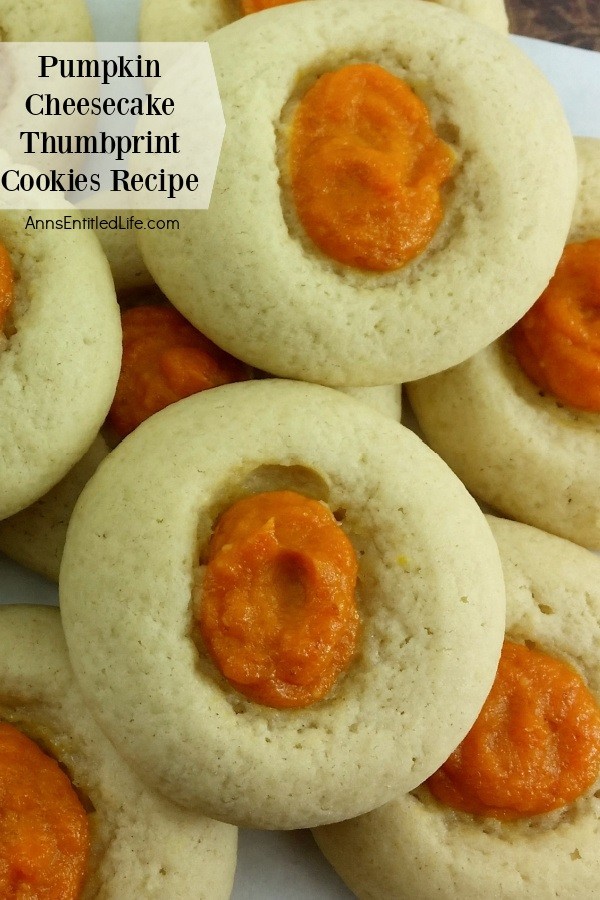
(164, 360)
(276, 611)
(557, 343)
(44, 829)
(6, 285)
(366, 168)
(252, 6)
(535, 746)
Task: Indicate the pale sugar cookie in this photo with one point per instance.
(416, 848)
(35, 536)
(141, 846)
(36, 20)
(120, 246)
(385, 398)
(247, 274)
(429, 599)
(118, 237)
(513, 445)
(60, 350)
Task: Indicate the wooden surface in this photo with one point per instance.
(575, 22)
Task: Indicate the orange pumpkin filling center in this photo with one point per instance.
(164, 360)
(277, 612)
(44, 831)
(557, 343)
(366, 168)
(535, 746)
(6, 285)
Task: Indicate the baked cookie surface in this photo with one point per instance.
(185, 21)
(35, 536)
(514, 447)
(431, 607)
(384, 398)
(120, 245)
(244, 272)
(59, 360)
(416, 848)
(35, 20)
(124, 258)
(141, 845)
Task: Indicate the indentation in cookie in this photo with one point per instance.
(277, 477)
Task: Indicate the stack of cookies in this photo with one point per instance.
(280, 608)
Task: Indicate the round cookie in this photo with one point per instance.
(430, 596)
(515, 448)
(59, 357)
(181, 20)
(142, 845)
(37, 20)
(416, 848)
(243, 271)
